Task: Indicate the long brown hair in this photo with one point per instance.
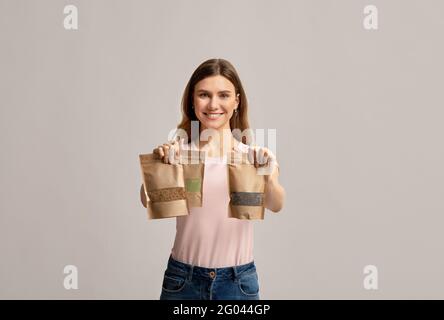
(213, 67)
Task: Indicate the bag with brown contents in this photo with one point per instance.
(163, 186)
(246, 188)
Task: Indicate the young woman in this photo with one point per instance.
(212, 255)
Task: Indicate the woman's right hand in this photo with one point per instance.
(170, 152)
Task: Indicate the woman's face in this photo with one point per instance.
(214, 101)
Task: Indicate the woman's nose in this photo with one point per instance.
(214, 104)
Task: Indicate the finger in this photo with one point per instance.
(181, 148)
(172, 155)
(251, 155)
(161, 153)
(265, 161)
(174, 148)
(176, 154)
(166, 150)
(273, 163)
(258, 158)
(267, 157)
(271, 154)
(269, 169)
(261, 156)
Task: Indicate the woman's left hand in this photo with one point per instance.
(263, 159)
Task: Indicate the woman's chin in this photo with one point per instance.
(213, 127)
(216, 125)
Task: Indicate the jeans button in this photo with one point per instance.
(212, 274)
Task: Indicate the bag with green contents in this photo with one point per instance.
(193, 171)
(169, 190)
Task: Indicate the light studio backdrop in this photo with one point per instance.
(353, 89)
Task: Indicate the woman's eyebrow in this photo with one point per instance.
(223, 91)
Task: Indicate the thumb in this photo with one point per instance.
(182, 143)
(252, 154)
(181, 147)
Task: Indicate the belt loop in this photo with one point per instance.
(235, 272)
(190, 272)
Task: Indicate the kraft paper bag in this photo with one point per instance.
(143, 196)
(163, 187)
(193, 171)
(246, 188)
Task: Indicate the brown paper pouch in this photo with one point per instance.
(193, 171)
(246, 189)
(164, 187)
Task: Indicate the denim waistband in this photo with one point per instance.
(210, 273)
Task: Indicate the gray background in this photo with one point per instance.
(358, 115)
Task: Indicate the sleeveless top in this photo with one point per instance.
(208, 237)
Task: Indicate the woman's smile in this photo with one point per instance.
(213, 115)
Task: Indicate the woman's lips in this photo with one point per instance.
(213, 116)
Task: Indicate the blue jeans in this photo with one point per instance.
(184, 281)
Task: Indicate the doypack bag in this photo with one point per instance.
(169, 190)
(163, 187)
(166, 186)
(193, 171)
(246, 188)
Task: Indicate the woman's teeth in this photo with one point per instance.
(213, 115)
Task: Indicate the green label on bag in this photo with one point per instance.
(193, 185)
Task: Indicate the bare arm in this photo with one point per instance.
(274, 192)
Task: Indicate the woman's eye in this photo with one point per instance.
(206, 95)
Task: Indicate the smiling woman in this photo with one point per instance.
(212, 255)
(213, 104)
(215, 97)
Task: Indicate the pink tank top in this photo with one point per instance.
(208, 237)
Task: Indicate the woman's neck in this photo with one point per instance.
(214, 147)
